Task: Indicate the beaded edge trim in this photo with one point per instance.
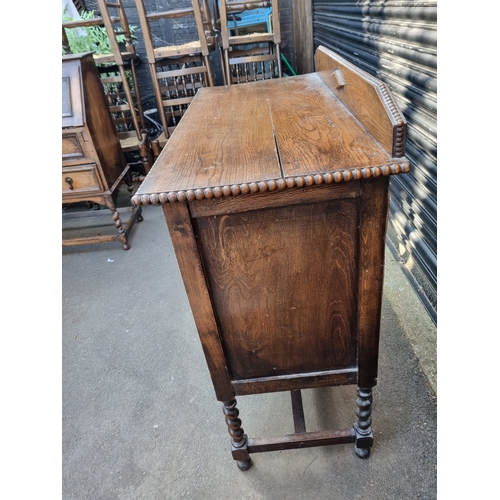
(398, 118)
(271, 185)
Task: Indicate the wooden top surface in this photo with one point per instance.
(270, 132)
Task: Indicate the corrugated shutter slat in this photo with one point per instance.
(396, 41)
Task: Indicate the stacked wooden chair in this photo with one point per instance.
(179, 68)
(212, 33)
(118, 76)
(250, 56)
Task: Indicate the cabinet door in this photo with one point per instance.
(72, 97)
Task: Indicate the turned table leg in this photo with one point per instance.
(238, 437)
(122, 235)
(362, 428)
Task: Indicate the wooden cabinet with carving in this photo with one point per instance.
(277, 209)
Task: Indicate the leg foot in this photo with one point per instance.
(362, 428)
(244, 464)
(362, 452)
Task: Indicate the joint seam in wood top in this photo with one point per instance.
(275, 141)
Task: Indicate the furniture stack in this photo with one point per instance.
(250, 55)
(180, 68)
(119, 79)
(177, 71)
(93, 162)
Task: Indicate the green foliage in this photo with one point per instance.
(90, 38)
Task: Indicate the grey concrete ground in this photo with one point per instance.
(140, 419)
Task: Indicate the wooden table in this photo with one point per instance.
(276, 198)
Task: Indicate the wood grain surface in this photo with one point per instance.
(261, 131)
(315, 133)
(225, 137)
(365, 97)
(184, 242)
(281, 282)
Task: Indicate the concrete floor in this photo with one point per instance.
(140, 419)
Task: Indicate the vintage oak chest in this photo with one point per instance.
(276, 198)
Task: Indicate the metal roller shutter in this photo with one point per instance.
(396, 41)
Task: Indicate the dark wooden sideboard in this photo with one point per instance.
(93, 162)
(276, 198)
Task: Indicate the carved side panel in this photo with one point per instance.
(283, 285)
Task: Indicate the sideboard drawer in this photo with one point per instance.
(81, 178)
